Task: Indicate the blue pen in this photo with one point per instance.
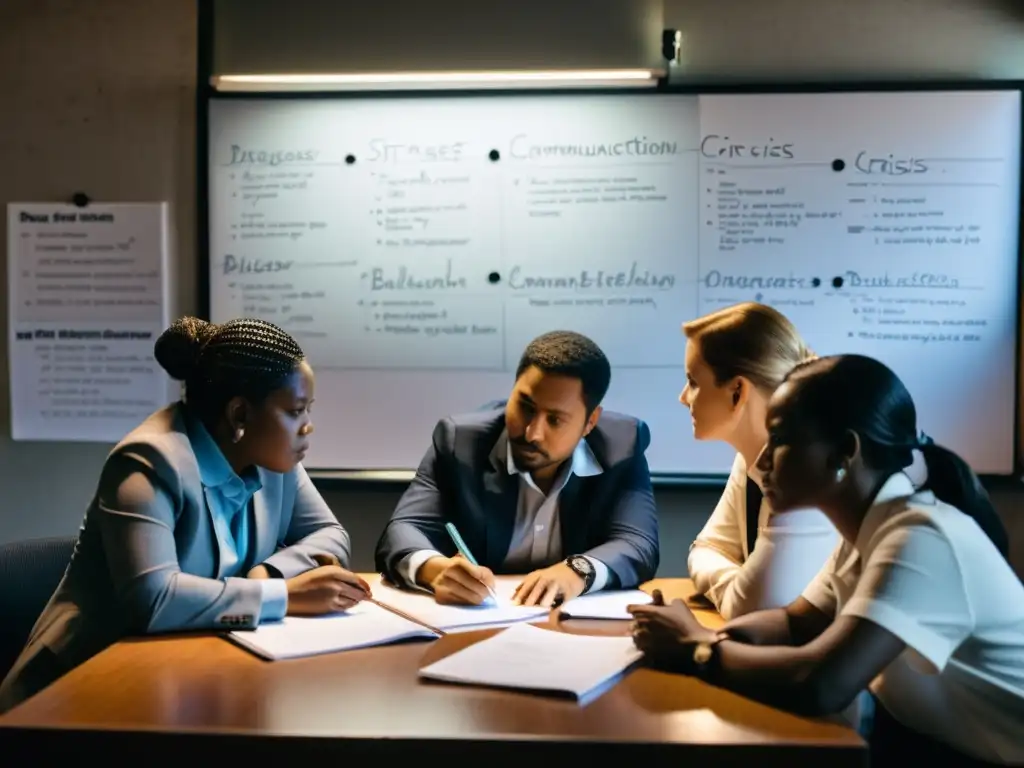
(464, 551)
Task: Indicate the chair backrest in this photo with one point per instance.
(29, 573)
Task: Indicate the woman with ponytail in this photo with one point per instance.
(918, 601)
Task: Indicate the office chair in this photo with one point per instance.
(29, 573)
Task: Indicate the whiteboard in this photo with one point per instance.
(414, 246)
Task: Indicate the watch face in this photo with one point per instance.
(702, 653)
(582, 565)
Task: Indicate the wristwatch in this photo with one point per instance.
(582, 568)
(705, 656)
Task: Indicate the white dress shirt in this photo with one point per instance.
(536, 534)
(791, 548)
(928, 574)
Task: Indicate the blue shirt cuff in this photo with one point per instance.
(274, 605)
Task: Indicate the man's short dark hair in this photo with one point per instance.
(567, 353)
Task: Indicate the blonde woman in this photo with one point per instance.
(747, 558)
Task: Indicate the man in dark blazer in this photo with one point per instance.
(544, 484)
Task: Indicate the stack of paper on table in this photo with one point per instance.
(535, 659)
(361, 626)
(605, 605)
(421, 607)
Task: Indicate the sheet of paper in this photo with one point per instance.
(535, 659)
(87, 299)
(361, 626)
(422, 607)
(605, 605)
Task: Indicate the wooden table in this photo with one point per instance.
(203, 700)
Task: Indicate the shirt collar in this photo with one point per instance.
(584, 462)
(898, 488)
(214, 469)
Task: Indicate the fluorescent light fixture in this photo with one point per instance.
(383, 81)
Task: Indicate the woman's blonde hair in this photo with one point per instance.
(750, 340)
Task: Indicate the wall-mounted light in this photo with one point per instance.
(672, 46)
(384, 81)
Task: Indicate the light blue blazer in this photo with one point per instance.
(146, 560)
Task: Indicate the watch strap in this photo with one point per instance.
(705, 656)
(587, 573)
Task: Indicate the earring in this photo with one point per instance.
(239, 434)
(840, 474)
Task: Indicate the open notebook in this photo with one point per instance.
(421, 607)
(361, 626)
(540, 660)
(413, 614)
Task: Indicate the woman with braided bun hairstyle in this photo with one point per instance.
(918, 602)
(747, 558)
(204, 518)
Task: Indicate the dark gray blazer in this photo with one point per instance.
(610, 516)
(147, 556)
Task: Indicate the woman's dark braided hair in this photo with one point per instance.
(246, 357)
